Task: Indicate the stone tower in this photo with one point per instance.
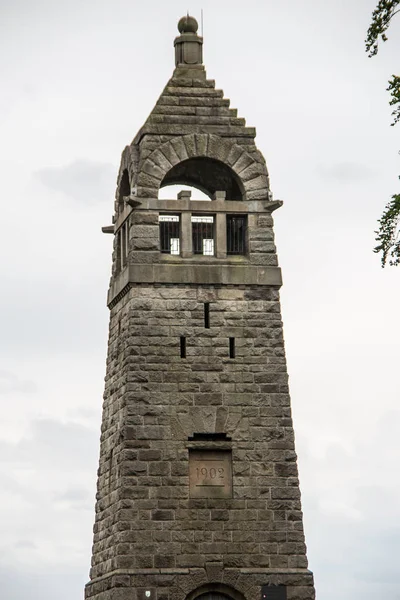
(198, 494)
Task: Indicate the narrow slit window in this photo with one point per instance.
(124, 244)
(231, 347)
(203, 235)
(169, 234)
(183, 346)
(118, 251)
(207, 315)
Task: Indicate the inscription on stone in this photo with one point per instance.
(210, 474)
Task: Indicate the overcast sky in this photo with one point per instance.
(78, 79)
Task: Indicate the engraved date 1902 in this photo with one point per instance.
(210, 473)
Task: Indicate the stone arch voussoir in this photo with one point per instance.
(252, 173)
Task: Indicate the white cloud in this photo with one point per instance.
(84, 181)
(48, 492)
(345, 172)
(10, 382)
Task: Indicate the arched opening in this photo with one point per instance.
(124, 186)
(215, 591)
(170, 192)
(207, 175)
(213, 596)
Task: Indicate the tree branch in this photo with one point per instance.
(394, 89)
(388, 234)
(381, 17)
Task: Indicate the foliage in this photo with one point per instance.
(388, 234)
(394, 89)
(381, 17)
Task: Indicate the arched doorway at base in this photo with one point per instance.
(215, 591)
(213, 596)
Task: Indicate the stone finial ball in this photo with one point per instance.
(188, 25)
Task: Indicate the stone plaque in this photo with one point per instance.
(210, 474)
(273, 592)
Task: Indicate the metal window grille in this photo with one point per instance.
(203, 235)
(236, 234)
(169, 234)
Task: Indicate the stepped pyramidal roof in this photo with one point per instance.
(192, 119)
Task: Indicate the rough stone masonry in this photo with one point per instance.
(198, 493)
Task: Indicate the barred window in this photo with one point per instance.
(203, 235)
(169, 234)
(236, 227)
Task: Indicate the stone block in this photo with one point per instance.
(193, 92)
(301, 593)
(145, 244)
(145, 231)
